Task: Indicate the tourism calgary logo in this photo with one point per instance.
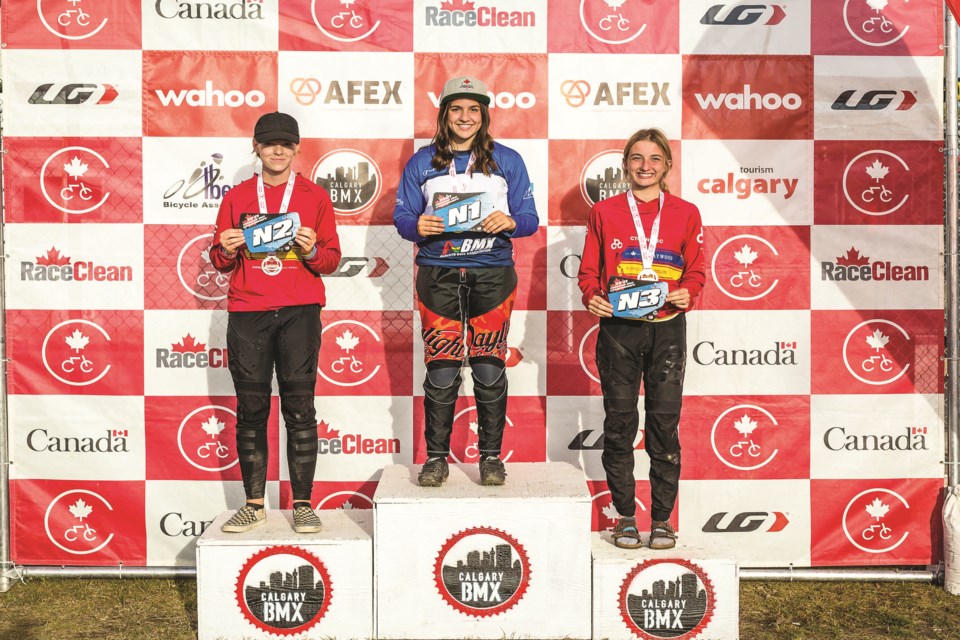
(482, 571)
(666, 599)
(283, 590)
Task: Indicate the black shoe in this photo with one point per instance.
(434, 472)
(492, 473)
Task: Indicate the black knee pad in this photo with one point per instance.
(489, 379)
(442, 382)
(667, 458)
(298, 409)
(619, 404)
(253, 408)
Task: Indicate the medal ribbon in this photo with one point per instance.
(647, 248)
(285, 203)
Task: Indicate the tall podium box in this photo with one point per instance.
(271, 582)
(464, 560)
(689, 592)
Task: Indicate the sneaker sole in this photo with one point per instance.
(242, 528)
(493, 482)
(308, 529)
(663, 545)
(429, 482)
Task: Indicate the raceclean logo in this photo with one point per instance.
(73, 93)
(874, 100)
(238, 10)
(666, 599)
(463, 13)
(740, 15)
(330, 442)
(781, 354)
(107, 441)
(746, 522)
(747, 100)
(853, 267)
(190, 354)
(211, 97)
(616, 94)
(55, 267)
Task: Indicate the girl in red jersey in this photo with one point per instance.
(644, 251)
(274, 302)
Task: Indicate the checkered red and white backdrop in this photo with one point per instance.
(807, 132)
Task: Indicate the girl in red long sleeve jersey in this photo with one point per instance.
(643, 251)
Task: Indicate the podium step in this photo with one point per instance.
(690, 591)
(464, 560)
(271, 581)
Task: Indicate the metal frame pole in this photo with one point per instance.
(7, 570)
(951, 263)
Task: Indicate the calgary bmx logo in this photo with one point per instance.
(352, 357)
(197, 273)
(205, 437)
(72, 519)
(465, 437)
(876, 520)
(482, 571)
(871, 188)
(874, 350)
(602, 177)
(345, 20)
(737, 437)
(73, 180)
(352, 179)
(283, 590)
(748, 276)
(666, 599)
(876, 23)
(75, 352)
(69, 20)
(612, 21)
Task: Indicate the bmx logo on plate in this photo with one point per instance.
(666, 599)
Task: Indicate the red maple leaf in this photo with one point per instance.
(189, 344)
(852, 259)
(324, 432)
(457, 5)
(53, 258)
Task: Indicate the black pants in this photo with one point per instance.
(629, 351)
(465, 313)
(287, 339)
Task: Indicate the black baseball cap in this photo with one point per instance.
(276, 126)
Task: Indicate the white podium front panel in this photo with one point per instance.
(690, 591)
(271, 582)
(464, 560)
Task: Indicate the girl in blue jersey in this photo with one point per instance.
(466, 283)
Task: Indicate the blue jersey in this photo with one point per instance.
(508, 189)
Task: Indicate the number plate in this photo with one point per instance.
(268, 232)
(636, 299)
(462, 211)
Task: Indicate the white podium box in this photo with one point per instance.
(271, 582)
(690, 591)
(468, 561)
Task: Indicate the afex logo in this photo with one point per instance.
(106, 441)
(877, 351)
(55, 267)
(737, 437)
(746, 522)
(744, 267)
(875, 182)
(744, 14)
(72, 180)
(207, 438)
(874, 100)
(190, 354)
(365, 92)
(330, 442)
(211, 97)
(856, 267)
(876, 520)
(638, 94)
(73, 93)
(235, 10)
(748, 100)
(78, 522)
(780, 354)
(351, 177)
(463, 13)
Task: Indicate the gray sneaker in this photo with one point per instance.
(245, 519)
(305, 519)
(662, 535)
(492, 473)
(434, 472)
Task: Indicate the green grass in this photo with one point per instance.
(74, 609)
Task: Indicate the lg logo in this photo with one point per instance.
(746, 522)
(73, 93)
(744, 14)
(873, 100)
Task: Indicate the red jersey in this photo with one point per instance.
(298, 282)
(612, 248)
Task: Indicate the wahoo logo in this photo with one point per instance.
(748, 100)
(743, 14)
(468, 246)
(874, 100)
(73, 93)
(210, 97)
(746, 522)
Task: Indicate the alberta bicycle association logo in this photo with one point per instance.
(482, 571)
(74, 180)
(283, 590)
(669, 598)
